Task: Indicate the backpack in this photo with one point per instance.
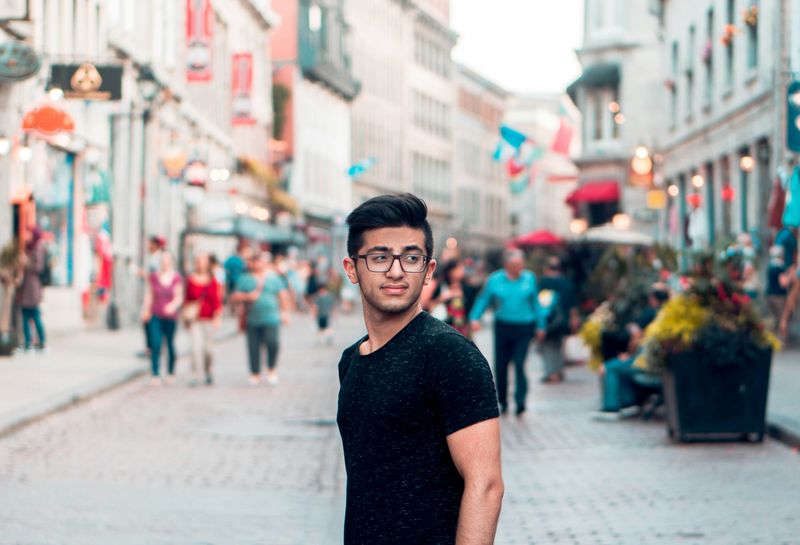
(557, 324)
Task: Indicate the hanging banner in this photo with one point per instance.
(242, 81)
(199, 21)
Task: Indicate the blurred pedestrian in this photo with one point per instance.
(563, 309)
(417, 407)
(236, 265)
(324, 301)
(201, 314)
(658, 295)
(32, 262)
(162, 300)
(155, 245)
(268, 304)
(456, 296)
(218, 271)
(776, 283)
(517, 317)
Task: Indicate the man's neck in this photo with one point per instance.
(381, 327)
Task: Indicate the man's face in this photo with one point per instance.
(394, 291)
(514, 266)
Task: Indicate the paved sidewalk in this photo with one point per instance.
(263, 466)
(75, 367)
(784, 397)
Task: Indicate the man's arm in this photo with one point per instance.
(481, 303)
(476, 454)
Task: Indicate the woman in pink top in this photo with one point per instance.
(204, 302)
(162, 300)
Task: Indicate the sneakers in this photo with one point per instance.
(156, 381)
(272, 377)
(254, 380)
(209, 380)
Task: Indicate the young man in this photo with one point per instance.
(417, 408)
(517, 317)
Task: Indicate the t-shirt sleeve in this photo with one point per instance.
(460, 383)
(246, 283)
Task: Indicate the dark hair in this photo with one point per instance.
(448, 269)
(400, 210)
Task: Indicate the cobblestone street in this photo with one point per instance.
(236, 464)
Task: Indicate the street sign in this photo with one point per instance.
(13, 10)
(793, 116)
(18, 61)
(87, 81)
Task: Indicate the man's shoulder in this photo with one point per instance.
(440, 338)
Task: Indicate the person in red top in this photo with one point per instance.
(201, 314)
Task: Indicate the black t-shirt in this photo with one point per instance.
(396, 408)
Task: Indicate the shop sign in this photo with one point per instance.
(47, 120)
(199, 21)
(242, 89)
(196, 173)
(87, 81)
(656, 199)
(13, 10)
(18, 61)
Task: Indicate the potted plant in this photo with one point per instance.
(9, 275)
(708, 51)
(714, 354)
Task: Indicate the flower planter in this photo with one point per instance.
(707, 401)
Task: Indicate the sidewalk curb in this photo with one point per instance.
(86, 392)
(784, 430)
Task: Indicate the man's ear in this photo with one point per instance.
(350, 269)
(430, 271)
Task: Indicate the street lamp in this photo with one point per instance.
(746, 165)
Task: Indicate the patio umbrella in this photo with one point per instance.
(609, 233)
(542, 237)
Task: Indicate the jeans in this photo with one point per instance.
(201, 332)
(618, 388)
(552, 352)
(511, 343)
(161, 330)
(28, 314)
(258, 336)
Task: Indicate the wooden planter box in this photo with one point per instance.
(711, 402)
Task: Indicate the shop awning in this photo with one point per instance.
(605, 74)
(595, 192)
(251, 229)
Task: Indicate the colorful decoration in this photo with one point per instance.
(199, 30)
(708, 52)
(563, 138)
(358, 169)
(727, 193)
(694, 200)
(242, 83)
(669, 83)
(47, 120)
(750, 16)
(728, 32)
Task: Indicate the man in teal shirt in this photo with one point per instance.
(517, 315)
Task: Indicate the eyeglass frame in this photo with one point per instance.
(395, 257)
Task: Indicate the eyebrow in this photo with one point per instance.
(408, 248)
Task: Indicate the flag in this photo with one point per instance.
(199, 34)
(510, 142)
(359, 168)
(563, 138)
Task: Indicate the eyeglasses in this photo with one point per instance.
(381, 263)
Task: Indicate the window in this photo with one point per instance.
(730, 14)
(673, 93)
(690, 74)
(597, 111)
(751, 23)
(708, 59)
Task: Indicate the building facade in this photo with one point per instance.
(619, 95)
(311, 52)
(724, 96)
(542, 204)
(119, 72)
(481, 217)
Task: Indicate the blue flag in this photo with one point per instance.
(361, 167)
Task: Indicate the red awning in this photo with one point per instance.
(595, 192)
(542, 237)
